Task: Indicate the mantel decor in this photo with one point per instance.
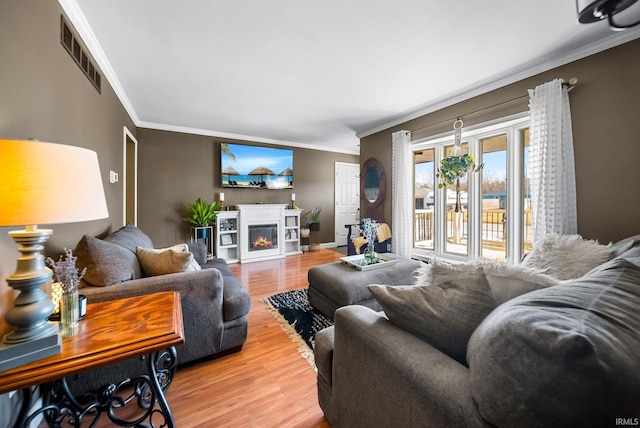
(41, 183)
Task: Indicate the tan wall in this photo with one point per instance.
(45, 95)
(176, 168)
(604, 106)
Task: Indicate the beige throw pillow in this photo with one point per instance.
(166, 260)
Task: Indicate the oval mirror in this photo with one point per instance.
(371, 183)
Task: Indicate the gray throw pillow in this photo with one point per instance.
(106, 263)
(566, 355)
(130, 237)
(444, 313)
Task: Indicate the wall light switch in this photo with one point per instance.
(113, 177)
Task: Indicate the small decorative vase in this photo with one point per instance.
(69, 314)
(370, 255)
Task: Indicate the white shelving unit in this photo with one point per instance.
(227, 236)
(292, 232)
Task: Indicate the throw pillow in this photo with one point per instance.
(508, 281)
(106, 263)
(130, 237)
(567, 256)
(444, 313)
(166, 260)
(566, 355)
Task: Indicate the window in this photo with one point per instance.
(494, 219)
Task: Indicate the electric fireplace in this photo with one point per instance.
(263, 237)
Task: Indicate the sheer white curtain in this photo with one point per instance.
(551, 163)
(402, 194)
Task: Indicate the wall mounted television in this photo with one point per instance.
(256, 167)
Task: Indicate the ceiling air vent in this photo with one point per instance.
(72, 44)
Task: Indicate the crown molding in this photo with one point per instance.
(514, 75)
(248, 138)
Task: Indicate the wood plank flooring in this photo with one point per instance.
(268, 383)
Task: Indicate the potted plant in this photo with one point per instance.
(201, 216)
(312, 219)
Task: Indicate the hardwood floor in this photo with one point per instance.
(268, 383)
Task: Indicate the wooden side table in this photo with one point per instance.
(148, 326)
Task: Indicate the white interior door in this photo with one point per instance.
(347, 191)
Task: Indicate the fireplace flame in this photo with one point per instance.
(262, 242)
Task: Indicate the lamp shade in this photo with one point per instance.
(46, 183)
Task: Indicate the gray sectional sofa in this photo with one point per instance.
(214, 303)
(565, 355)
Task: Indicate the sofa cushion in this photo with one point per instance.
(130, 237)
(107, 263)
(508, 281)
(444, 311)
(567, 256)
(566, 355)
(162, 261)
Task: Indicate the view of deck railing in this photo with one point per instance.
(494, 223)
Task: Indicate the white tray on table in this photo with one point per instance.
(357, 261)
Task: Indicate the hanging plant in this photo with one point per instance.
(453, 169)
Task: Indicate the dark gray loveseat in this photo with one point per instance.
(566, 355)
(214, 303)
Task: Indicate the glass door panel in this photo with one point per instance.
(424, 173)
(457, 223)
(527, 221)
(494, 197)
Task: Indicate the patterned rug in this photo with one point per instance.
(298, 319)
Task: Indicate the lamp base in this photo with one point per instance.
(12, 356)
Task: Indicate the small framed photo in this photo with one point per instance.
(226, 240)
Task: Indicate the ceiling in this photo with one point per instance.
(319, 74)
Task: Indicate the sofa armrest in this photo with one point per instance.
(385, 376)
(201, 293)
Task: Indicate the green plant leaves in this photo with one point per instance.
(201, 214)
(455, 167)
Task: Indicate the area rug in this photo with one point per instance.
(298, 319)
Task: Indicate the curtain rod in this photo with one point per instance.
(570, 85)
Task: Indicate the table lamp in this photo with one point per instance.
(41, 183)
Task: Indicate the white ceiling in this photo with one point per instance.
(319, 73)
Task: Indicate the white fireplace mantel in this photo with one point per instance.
(259, 214)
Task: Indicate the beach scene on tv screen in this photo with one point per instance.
(256, 167)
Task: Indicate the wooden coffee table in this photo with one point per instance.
(117, 330)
